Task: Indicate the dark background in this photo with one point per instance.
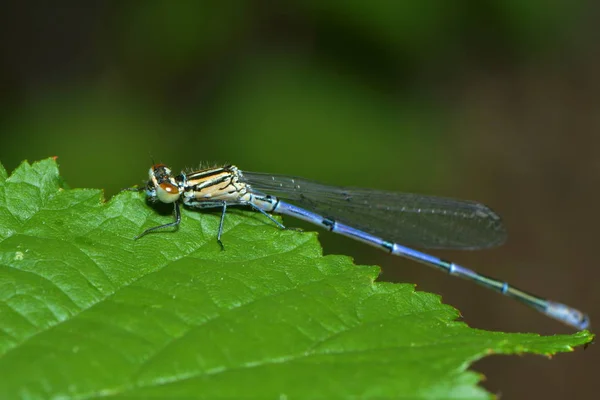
(492, 100)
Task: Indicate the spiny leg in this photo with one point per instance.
(263, 212)
(279, 224)
(221, 226)
(170, 224)
(266, 214)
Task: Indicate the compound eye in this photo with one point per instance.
(159, 172)
(167, 192)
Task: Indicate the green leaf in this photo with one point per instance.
(89, 312)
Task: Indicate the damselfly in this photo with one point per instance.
(378, 218)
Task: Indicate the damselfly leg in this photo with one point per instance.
(175, 223)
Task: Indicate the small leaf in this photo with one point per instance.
(89, 312)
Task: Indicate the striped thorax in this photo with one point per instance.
(200, 189)
(203, 188)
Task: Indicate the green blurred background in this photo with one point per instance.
(492, 100)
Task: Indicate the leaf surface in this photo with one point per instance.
(89, 312)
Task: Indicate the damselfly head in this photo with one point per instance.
(162, 186)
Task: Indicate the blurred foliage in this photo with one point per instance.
(331, 90)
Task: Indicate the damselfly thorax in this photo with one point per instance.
(208, 188)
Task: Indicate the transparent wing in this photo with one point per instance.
(408, 219)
